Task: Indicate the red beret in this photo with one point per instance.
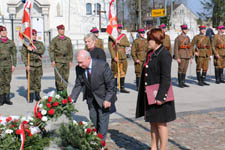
(60, 27)
(184, 26)
(220, 27)
(202, 27)
(162, 26)
(34, 31)
(94, 30)
(119, 26)
(2, 28)
(141, 30)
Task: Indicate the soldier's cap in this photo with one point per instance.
(162, 26)
(2, 28)
(34, 31)
(184, 27)
(119, 26)
(220, 27)
(60, 27)
(202, 27)
(141, 30)
(94, 30)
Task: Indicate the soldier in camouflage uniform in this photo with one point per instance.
(166, 41)
(121, 43)
(138, 51)
(218, 45)
(201, 48)
(183, 53)
(61, 54)
(8, 62)
(99, 42)
(35, 67)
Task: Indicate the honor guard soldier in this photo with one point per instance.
(35, 66)
(202, 50)
(219, 54)
(119, 46)
(99, 42)
(183, 53)
(61, 54)
(8, 62)
(166, 41)
(138, 52)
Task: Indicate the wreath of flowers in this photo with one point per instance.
(80, 135)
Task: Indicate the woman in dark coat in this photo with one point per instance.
(156, 70)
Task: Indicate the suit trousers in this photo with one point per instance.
(99, 117)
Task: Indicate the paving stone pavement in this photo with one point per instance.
(200, 123)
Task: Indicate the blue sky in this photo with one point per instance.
(194, 5)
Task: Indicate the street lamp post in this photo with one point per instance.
(11, 17)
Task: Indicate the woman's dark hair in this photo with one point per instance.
(156, 34)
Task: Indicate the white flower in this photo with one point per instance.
(85, 123)
(95, 133)
(41, 105)
(44, 118)
(93, 143)
(57, 96)
(85, 130)
(75, 122)
(45, 97)
(31, 123)
(8, 131)
(43, 112)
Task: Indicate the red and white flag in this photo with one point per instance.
(112, 25)
(25, 32)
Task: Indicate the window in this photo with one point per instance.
(97, 8)
(88, 9)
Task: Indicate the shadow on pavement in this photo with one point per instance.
(46, 91)
(127, 142)
(12, 95)
(130, 86)
(79, 118)
(22, 91)
(148, 130)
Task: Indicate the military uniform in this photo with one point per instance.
(60, 52)
(167, 43)
(201, 45)
(99, 43)
(8, 59)
(219, 50)
(138, 51)
(36, 71)
(122, 58)
(182, 50)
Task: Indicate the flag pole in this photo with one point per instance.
(118, 66)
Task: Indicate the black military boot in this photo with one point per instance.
(31, 97)
(183, 80)
(217, 75)
(200, 82)
(180, 80)
(203, 78)
(221, 76)
(37, 96)
(7, 99)
(137, 82)
(1, 100)
(122, 88)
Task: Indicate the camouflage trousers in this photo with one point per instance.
(64, 70)
(5, 79)
(202, 63)
(183, 65)
(35, 78)
(219, 63)
(138, 68)
(122, 68)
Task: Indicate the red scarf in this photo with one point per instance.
(4, 40)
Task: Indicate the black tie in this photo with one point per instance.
(89, 74)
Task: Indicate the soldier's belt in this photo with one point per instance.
(203, 47)
(185, 46)
(221, 46)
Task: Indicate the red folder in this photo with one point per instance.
(152, 90)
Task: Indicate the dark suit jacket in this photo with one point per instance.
(102, 84)
(97, 53)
